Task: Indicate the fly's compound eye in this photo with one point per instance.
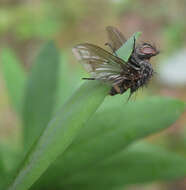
(148, 50)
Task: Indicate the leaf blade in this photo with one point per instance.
(144, 160)
(40, 93)
(131, 124)
(110, 131)
(14, 77)
(50, 145)
(126, 49)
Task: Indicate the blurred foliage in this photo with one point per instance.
(41, 85)
(105, 149)
(99, 153)
(14, 76)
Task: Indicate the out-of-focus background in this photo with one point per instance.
(25, 25)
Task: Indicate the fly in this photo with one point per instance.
(109, 68)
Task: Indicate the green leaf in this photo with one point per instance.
(2, 173)
(40, 93)
(60, 133)
(9, 159)
(140, 163)
(69, 79)
(126, 49)
(14, 77)
(110, 131)
(2, 168)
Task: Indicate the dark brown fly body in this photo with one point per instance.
(140, 70)
(109, 68)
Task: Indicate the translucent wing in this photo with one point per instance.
(115, 37)
(101, 64)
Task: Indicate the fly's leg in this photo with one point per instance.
(132, 56)
(115, 90)
(134, 45)
(122, 89)
(88, 78)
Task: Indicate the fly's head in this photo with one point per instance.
(145, 51)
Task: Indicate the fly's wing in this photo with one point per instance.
(101, 64)
(115, 37)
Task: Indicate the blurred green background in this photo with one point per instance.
(25, 25)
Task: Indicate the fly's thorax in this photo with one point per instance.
(146, 71)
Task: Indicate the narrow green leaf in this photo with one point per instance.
(2, 174)
(14, 77)
(60, 133)
(40, 93)
(69, 80)
(9, 159)
(2, 168)
(125, 50)
(109, 132)
(140, 163)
